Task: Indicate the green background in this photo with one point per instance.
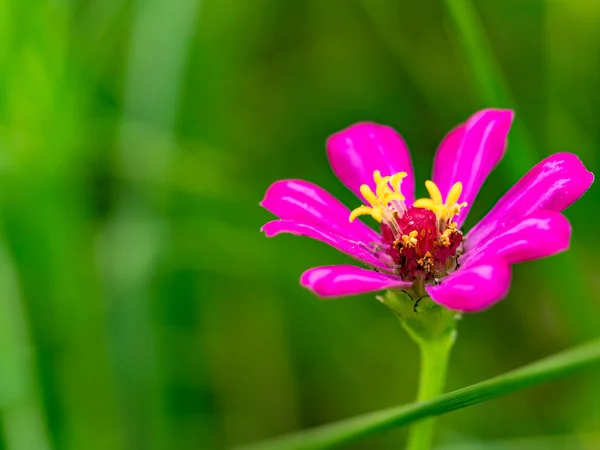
(140, 306)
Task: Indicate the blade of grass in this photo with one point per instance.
(342, 432)
(578, 441)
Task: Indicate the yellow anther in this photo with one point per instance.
(382, 197)
(444, 211)
(377, 214)
(391, 197)
(410, 240)
(369, 196)
(454, 193)
(425, 203)
(457, 207)
(383, 188)
(396, 181)
(377, 177)
(360, 211)
(434, 192)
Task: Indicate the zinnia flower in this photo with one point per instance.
(420, 247)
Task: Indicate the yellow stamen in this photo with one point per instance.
(454, 193)
(444, 211)
(360, 211)
(377, 177)
(391, 197)
(383, 196)
(434, 192)
(411, 239)
(426, 203)
(396, 180)
(382, 188)
(457, 207)
(369, 196)
(377, 214)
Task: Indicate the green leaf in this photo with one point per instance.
(338, 433)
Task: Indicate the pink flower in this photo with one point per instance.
(420, 247)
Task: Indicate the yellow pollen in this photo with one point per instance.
(387, 190)
(445, 240)
(443, 211)
(426, 261)
(445, 237)
(411, 239)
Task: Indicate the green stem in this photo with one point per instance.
(433, 328)
(434, 363)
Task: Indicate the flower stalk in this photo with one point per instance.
(433, 328)
(434, 362)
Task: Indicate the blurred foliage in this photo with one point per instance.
(141, 308)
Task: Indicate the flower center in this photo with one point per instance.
(422, 251)
(422, 240)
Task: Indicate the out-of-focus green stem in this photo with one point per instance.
(132, 240)
(488, 77)
(433, 328)
(23, 419)
(434, 363)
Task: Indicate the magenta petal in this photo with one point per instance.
(538, 235)
(473, 289)
(357, 151)
(307, 203)
(470, 152)
(355, 249)
(339, 281)
(553, 184)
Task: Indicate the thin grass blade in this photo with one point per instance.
(338, 433)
